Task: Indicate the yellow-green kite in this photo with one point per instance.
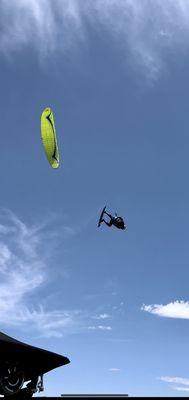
(48, 135)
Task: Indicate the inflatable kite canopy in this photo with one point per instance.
(48, 135)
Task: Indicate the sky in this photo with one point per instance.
(116, 303)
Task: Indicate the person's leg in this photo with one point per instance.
(107, 223)
(109, 215)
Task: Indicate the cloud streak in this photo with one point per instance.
(114, 369)
(100, 327)
(177, 380)
(144, 31)
(23, 270)
(181, 389)
(176, 309)
(102, 316)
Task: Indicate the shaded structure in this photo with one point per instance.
(21, 362)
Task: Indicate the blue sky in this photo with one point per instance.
(115, 73)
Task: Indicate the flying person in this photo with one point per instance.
(115, 220)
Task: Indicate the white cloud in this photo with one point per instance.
(176, 309)
(23, 270)
(178, 380)
(181, 389)
(100, 327)
(102, 316)
(105, 328)
(175, 379)
(144, 30)
(114, 369)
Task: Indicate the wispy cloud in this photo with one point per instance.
(114, 369)
(181, 389)
(119, 307)
(102, 316)
(24, 270)
(100, 327)
(175, 379)
(178, 380)
(144, 30)
(176, 309)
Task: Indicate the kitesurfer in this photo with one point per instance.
(115, 220)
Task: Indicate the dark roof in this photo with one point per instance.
(35, 361)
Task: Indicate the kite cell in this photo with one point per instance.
(48, 135)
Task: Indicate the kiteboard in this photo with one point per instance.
(101, 216)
